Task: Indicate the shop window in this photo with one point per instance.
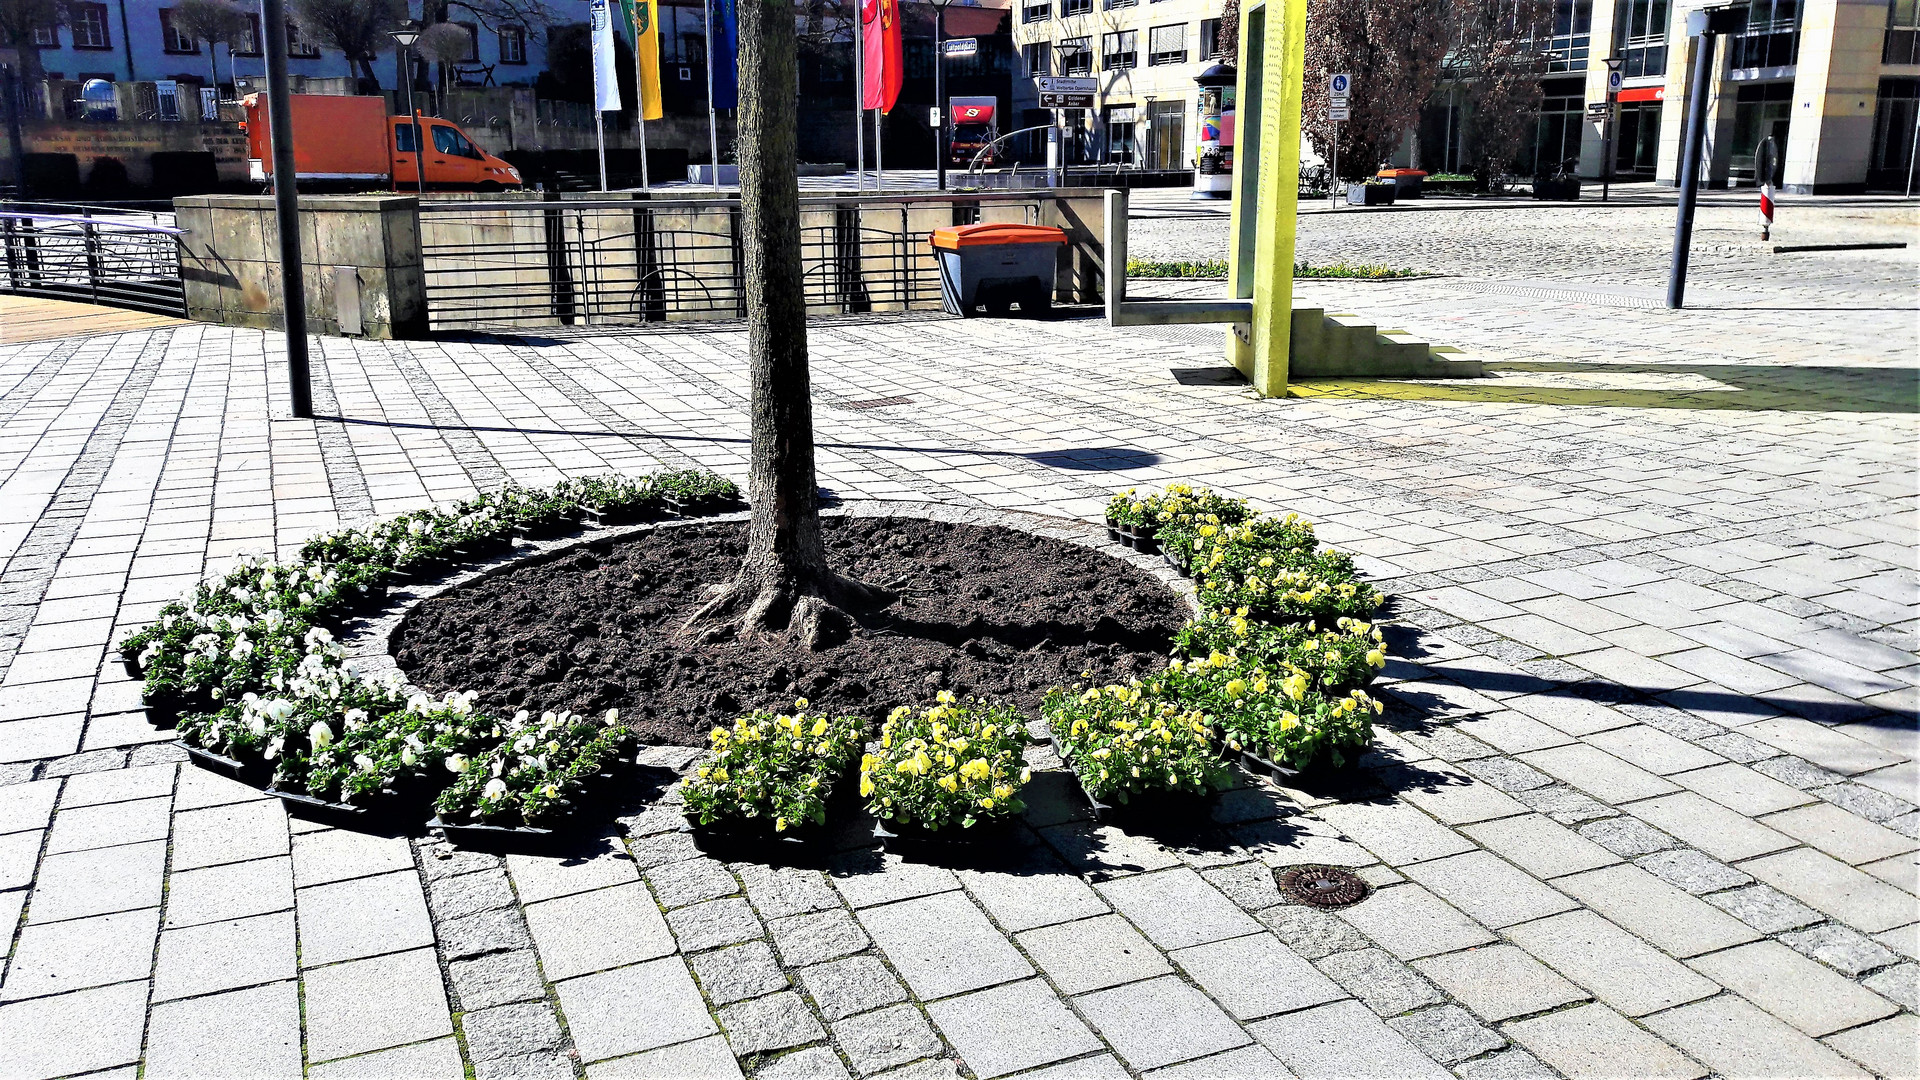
(1556, 135)
(1167, 45)
(1120, 51)
(89, 25)
(1759, 111)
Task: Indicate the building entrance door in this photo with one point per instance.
(1636, 143)
(1167, 135)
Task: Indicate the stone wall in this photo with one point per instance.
(361, 254)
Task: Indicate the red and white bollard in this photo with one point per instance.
(1766, 211)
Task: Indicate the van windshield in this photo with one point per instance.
(970, 133)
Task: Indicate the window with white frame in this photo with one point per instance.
(1120, 50)
(513, 44)
(89, 25)
(171, 39)
(1209, 39)
(1040, 58)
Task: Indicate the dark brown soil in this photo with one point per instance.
(982, 610)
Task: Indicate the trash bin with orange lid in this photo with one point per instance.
(997, 265)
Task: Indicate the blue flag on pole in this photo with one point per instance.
(726, 55)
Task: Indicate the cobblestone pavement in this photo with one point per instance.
(1644, 803)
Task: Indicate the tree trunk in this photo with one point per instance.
(784, 582)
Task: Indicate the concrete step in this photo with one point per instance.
(1345, 346)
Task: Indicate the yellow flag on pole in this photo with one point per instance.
(646, 55)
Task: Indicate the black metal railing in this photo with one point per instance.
(626, 261)
(95, 255)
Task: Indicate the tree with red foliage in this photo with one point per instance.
(1393, 49)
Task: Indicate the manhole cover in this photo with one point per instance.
(1322, 886)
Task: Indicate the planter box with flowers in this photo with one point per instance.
(943, 772)
(769, 776)
(531, 779)
(1129, 745)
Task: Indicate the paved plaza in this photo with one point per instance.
(1643, 803)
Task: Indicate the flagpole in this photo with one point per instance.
(599, 114)
(600, 140)
(713, 125)
(879, 161)
(859, 96)
(644, 181)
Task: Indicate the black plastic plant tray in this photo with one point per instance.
(1260, 766)
(243, 771)
(701, 505)
(550, 529)
(1178, 564)
(1146, 803)
(309, 805)
(954, 836)
(626, 514)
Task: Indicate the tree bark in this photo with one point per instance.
(784, 581)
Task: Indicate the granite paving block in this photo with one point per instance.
(1541, 847)
(842, 988)
(243, 1033)
(225, 834)
(1804, 994)
(1840, 947)
(1594, 1042)
(1451, 795)
(1177, 908)
(209, 957)
(329, 855)
(482, 933)
(942, 944)
(1447, 1033)
(773, 1022)
(73, 1033)
(1573, 715)
(1009, 1028)
(1844, 836)
(595, 866)
(1512, 733)
(1618, 968)
(1038, 891)
(1296, 840)
(872, 876)
(713, 924)
(1388, 986)
(11, 904)
(56, 958)
(816, 937)
(374, 1003)
(1742, 790)
(1312, 933)
(1827, 746)
(436, 1060)
(1900, 983)
(1680, 924)
(779, 891)
(705, 1059)
(1828, 885)
(469, 894)
(1499, 982)
(1734, 1038)
(1764, 908)
(1102, 851)
(1253, 1062)
(1343, 1039)
(229, 891)
(1654, 750)
(27, 807)
(362, 917)
(1598, 773)
(603, 1022)
(1093, 953)
(1159, 1022)
(1626, 836)
(1693, 871)
(1408, 921)
(691, 881)
(593, 931)
(1889, 1048)
(1395, 832)
(495, 979)
(1250, 885)
(1256, 976)
(1709, 826)
(505, 1035)
(1490, 890)
(880, 1040)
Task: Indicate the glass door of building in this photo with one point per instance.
(1636, 140)
(1167, 135)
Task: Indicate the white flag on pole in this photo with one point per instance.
(606, 87)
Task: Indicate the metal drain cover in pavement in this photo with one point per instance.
(1322, 886)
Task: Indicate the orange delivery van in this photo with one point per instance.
(347, 139)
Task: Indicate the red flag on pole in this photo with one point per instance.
(884, 51)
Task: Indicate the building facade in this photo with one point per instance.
(1143, 54)
(1833, 82)
(135, 41)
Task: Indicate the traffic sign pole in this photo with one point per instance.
(1338, 87)
(1606, 134)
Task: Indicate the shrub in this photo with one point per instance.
(1126, 740)
(957, 762)
(773, 768)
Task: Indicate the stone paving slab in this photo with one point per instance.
(1647, 783)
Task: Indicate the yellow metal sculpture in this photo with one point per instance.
(1266, 187)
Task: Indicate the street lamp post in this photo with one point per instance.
(940, 93)
(404, 38)
(1705, 24)
(286, 208)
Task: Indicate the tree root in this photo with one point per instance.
(821, 611)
